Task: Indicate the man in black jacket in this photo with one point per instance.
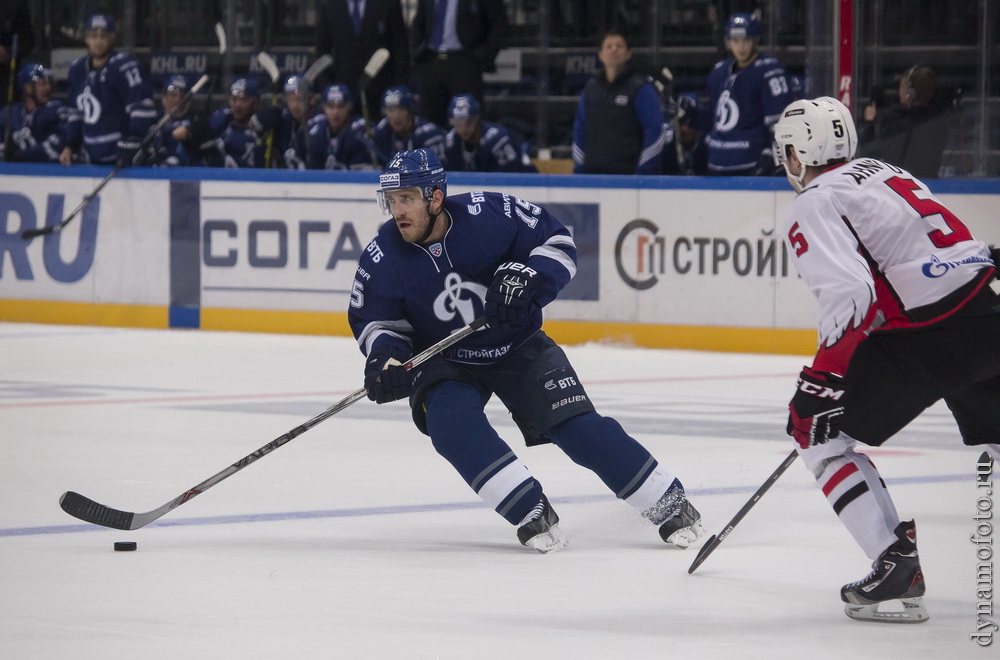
(619, 124)
(380, 25)
(454, 42)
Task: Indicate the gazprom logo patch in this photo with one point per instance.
(390, 180)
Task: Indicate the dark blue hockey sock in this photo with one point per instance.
(601, 444)
(462, 434)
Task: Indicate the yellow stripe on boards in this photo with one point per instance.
(75, 313)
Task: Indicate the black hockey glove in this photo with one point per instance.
(130, 154)
(816, 409)
(385, 378)
(509, 299)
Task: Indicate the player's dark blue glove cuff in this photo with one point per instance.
(129, 152)
(385, 378)
(816, 410)
(508, 301)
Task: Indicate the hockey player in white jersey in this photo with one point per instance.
(907, 318)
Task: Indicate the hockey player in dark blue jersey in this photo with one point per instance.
(36, 124)
(474, 145)
(112, 100)
(300, 109)
(442, 262)
(241, 129)
(748, 93)
(334, 142)
(175, 143)
(402, 130)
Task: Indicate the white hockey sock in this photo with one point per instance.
(856, 492)
(652, 489)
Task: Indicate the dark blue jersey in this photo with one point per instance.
(39, 135)
(495, 152)
(411, 296)
(112, 102)
(241, 146)
(746, 105)
(343, 151)
(425, 134)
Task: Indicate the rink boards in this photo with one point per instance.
(670, 262)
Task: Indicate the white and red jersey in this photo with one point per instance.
(871, 241)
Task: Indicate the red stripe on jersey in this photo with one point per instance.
(838, 477)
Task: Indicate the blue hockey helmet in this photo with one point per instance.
(292, 84)
(419, 168)
(176, 83)
(29, 73)
(399, 96)
(742, 25)
(100, 22)
(337, 94)
(463, 106)
(244, 87)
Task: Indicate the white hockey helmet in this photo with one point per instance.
(821, 131)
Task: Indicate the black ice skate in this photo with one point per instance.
(540, 529)
(684, 527)
(895, 575)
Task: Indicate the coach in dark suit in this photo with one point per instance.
(454, 42)
(381, 25)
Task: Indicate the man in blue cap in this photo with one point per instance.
(474, 145)
(36, 124)
(335, 140)
(748, 92)
(241, 129)
(112, 100)
(402, 129)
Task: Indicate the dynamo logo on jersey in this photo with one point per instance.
(89, 106)
(455, 299)
(727, 113)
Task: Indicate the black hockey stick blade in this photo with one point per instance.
(90, 511)
(87, 509)
(714, 541)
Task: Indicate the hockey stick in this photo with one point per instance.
(28, 234)
(675, 122)
(271, 68)
(90, 511)
(305, 94)
(713, 542)
(375, 64)
(10, 97)
(220, 35)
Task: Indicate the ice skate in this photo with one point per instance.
(895, 576)
(684, 528)
(540, 529)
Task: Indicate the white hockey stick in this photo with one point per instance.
(90, 511)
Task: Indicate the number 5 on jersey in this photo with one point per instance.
(797, 240)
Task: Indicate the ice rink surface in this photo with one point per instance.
(356, 540)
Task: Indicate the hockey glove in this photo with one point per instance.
(129, 152)
(817, 408)
(385, 378)
(508, 301)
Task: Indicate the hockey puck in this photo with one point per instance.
(124, 546)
